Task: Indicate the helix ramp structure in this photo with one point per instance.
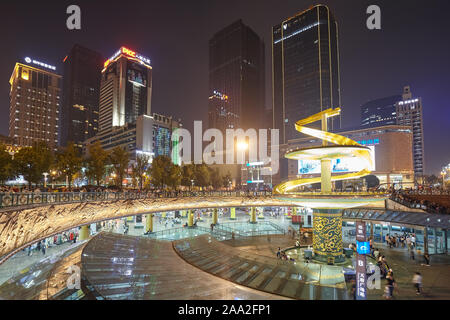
(343, 148)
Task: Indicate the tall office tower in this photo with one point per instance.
(81, 92)
(409, 113)
(380, 112)
(305, 58)
(125, 89)
(236, 71)
(125, 104)
(219, 114)
(34, 103)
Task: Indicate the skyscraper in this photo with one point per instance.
(125, 89)
(409, 113)
(305, 58)
(81, 92)
(380, 112)
(236, 71)
(34, 103)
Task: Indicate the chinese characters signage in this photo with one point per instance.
(361, 276)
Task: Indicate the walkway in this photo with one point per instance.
(124, 267)
(436, 278)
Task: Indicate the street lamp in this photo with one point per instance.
(45, 179)
(242, 145)
(53, 172)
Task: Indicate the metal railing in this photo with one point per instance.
(19, 199)
(231, 227)
(185, 232)
(37, 198)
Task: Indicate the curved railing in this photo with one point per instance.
(41, 198)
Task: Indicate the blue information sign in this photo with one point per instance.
(363, 247)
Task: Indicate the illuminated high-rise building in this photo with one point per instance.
(380, 112)
(125, 89)
(125, 104)
(220, 115)
(35, 99)
(409, 113)
(236, 78)
(305, 58)
(81, 92)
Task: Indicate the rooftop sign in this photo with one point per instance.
(129, 53)
(42, 64)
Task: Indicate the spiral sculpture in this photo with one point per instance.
(343, 148)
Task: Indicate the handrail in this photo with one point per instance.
(12, 199)
(23, 199)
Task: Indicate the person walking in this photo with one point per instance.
(376, 253)
(391, 284)
(413, 240)
(417, 281)
(411, 252)
(426, 257)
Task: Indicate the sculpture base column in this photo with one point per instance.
(190, 219)
(232, 213)
(84, 232)
(253, 215)
(327, 235)
(214, 216)
(148, 223)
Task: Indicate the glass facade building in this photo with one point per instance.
(236, 71)
(380, 112)
(305, 77)
(409, 113)
(80, 110)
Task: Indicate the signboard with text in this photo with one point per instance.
(361, 276)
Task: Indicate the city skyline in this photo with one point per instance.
(379, 55)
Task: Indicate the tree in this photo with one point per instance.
(226, 180)
(32, 162)
(119, 159)
(139, 168)
(6, 164)
(174, 177)
(164, 173)
(215, 178)
(161, 170)
(202, 176)
(187, 175)
(433, 179)
(96, 163)
(69, 162)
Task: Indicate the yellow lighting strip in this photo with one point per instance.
(348, 147)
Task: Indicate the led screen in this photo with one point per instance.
(137, 77)
(338, 165)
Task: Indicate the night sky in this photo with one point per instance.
(413, 48)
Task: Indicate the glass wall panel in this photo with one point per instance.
(431, 240)
(419, 239)
(440, 241)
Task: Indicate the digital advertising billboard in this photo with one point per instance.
(344, 165)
